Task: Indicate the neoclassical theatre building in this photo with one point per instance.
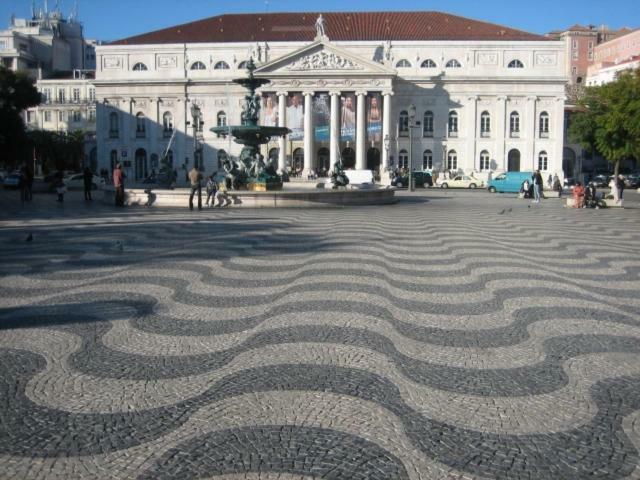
(375, 89)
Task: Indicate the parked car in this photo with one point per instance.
(459, 181)
(509, 182)
(601, 181)
(421, 179)
(12, 181)
(76, 181)
(569, 183)
(632, 180)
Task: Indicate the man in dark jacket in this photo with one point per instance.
(536, 180)
(195, 177)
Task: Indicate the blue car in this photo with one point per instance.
(12, 181)
(509, 182)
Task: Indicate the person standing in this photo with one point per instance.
(620, 185)
(195, 178)
(29, 178)
(212, 189)
(87, 176)
(22, 184)
(537, 181)
(118, 182)
(61, 188)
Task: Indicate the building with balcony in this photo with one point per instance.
(487, 98)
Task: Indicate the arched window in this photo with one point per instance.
(427, 160)
(453, 124)
(404, 63)
(485, 161)
(242, 65)
(141, 125)
(453, 63)
(485, 124)
(221, 121)
(114, 130)
(515, 64)
(427, 123)
(140, 67)
(543, 161)
(167, 124)
(452, 160)
(221, 65)
(514, 124)
(544, 124)
(403, 159)
(198, 66)
(403, 123)
(428, 63)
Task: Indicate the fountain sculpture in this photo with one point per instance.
(251, 171)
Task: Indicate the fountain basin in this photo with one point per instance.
(286, 198)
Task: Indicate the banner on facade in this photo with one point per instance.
(374, 117)
(321, 117)
(295, 116)
(269, 113)
(348, 117)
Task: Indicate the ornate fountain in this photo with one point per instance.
(251, 171)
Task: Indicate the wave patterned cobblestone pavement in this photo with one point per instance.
(451, 336)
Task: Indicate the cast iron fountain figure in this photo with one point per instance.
(250, 171)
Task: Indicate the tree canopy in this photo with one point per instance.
(609, 122)
(17, 93)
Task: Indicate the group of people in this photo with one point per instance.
(213, 190)
(586, 197)
(535, 188)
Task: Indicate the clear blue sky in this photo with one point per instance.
(113, 19)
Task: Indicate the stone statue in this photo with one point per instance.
(388, 56)
(320, 27)
(235, 173)
(338, 177)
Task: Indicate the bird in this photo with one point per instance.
(528, 206)
(501, 212)
(119, 245)
(29, 238)
(509, 210)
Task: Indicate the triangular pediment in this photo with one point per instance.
(321, 58)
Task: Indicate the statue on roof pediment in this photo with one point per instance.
(324, 61)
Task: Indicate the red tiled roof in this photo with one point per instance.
(290, 27)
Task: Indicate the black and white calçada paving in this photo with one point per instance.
(450, 336)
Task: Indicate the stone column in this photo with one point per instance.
(282, 141)
(386, 129)
(472, 127)
(502, 131)
(360, 131)
(334, 138)
(528, 158)
(308, 133)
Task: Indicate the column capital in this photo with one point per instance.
(308, 92)
(532, 98)
(281, 93)
(388, 93)
(335, 92)
(502, 98)
(361, 93)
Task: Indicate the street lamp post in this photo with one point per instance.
(444, 157)
(195, 119)
(387, 142)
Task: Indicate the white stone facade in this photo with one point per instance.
(495, 78)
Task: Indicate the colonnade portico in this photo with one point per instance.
(310, 155)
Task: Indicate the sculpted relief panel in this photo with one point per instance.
(487, 58)
(323, 61)
(546, 59)
(112, 63)
(167, 61)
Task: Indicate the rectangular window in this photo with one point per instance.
(92, 116)
(575, 55)
(574, 70)
(92, 94)
(47, 116)
(76, 116)
(428, 126)
(575, 44)
(62, 116)
(62, 95)
(30, 116)
(3, 44)
(76, 95)
(542, 162)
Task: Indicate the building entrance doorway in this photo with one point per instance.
(141, 164)
(348, 158)
(513, 161)
(373, 161)
(323, 162)
(298, 162)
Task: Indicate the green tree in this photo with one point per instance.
(610, 119)
(17, 93)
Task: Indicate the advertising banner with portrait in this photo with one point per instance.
(295, 116)
(321, 116)
(269, 112)
(374, 117)
(348, 117)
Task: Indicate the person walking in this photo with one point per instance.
(620, 185)
(212, 189)
(195, 177)
(61, 188)
(550, 181)
(118, 182)
(28, 173)
(537, 181)
(22, 184)
(87, 176)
